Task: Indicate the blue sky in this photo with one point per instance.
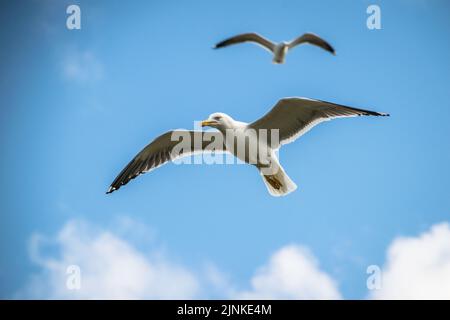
(78, 105)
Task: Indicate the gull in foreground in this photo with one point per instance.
(279, 50)
(289, 119)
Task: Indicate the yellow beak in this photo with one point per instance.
(206, 123)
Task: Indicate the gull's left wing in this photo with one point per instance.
(313, 39)
(295, 116)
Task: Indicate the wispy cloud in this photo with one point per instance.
(82, 67)
(418, 267)
(110, 268)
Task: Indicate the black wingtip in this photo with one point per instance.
(110, 190)
(373, 113)
(377, 114)
(220, 44)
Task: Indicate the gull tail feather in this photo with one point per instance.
(278, 184)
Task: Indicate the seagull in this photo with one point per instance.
(279, 50)
(290, 118)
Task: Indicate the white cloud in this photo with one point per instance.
(418, 267)
(82, 67)
(110, 268)
(292, 273)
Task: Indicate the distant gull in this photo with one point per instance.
(290, 118)
(279, 50)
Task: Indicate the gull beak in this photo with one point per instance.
(207, 123)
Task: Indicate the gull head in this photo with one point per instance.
(218, 120)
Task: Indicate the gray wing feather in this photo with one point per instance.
(247, 37)
(314, 40)
(159, 152)
(293, 117)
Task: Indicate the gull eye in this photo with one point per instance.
(217, 118)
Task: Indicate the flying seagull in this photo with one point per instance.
(279, 50)
(290, 118)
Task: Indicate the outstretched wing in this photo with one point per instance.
(247, 37)
(169, 146)
(295, 116)
(312, 39)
